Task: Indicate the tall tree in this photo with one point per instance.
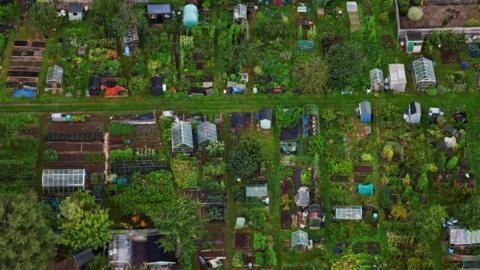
(469, 213)
(311, 76)
(427, 222)
(44, 17)
(345, 62)
(83, 222)
(104, 13)
(244, 160)
(26, 238)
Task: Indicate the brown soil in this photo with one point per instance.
(433, 16)
(362, 169)
(339, 178)
(242, 241)
(449, 57)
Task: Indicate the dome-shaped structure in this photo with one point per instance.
(190, 16)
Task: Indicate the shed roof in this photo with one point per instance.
(63, 178)
(302, 198)
(157, 86)
(460, 236)
(75, 8)
(348, 212)
(206, 132)
(55, 74)
(240, 12)
(84, 257)
(265, 114)
(352, 6)
(423, 70)
(257, 191)
(182, 134)
(414, 36)
(365, 108)
(159, 9)
(299, 238)
(397, 73)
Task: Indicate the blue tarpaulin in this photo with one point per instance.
(25, 93)
(365, 189)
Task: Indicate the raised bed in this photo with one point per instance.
(242, 241)
(339, 178)
(364, 169)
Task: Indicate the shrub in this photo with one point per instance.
(399, 212)
(432, 92)
(258, 241)
(416, 2)
(415, 14)
(137, 85)
(366, 157)
(98, 262)
(50, 155)
(94, 157)
(472, 22)
(120, 129)
(452, 163)
(387, 153)
(271, 257)
(237, 260)
(259, 259)
(216, 149)
(121, 155)
(403, 7)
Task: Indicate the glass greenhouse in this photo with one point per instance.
(206, 132)
(348, 213)
(299, 239)
(63, 181)
(120, 252)
(376, 79)
(182, 138)
(423, 74)
(54, 78)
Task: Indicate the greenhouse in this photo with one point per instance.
(182, 138)
(120, 252)
(54, 78)
(206, 132)
(423, 74)
(63, 181)
(376, 79)
(397, 77)
(348, 213)
(299, 239)
(302, 198)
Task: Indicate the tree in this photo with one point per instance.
(311, 76)
(44, 17)
(244, 160)
(182, 225)
(83, 222)
(104, 13)
(145, 192)
(287, 117)
(469, 213)
(26, 237)
(345, 62)
(427, 222)
(415, 14)
(447, 41)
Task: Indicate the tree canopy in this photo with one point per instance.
(311, 76)
(83, 222)
(44, 17)
(345, 61)
(244, 160)
(469, 213)
(26, 237)
(287, 117)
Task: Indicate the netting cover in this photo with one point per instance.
(459, 236)
(142, 166)
(206, 132)
(258, 191)
(182, 140)
(299, 238)
(348, 212)
(376, 77)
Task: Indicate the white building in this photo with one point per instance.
(397, 77)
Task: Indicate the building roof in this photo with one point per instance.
(365, 108)
(299, 238)
(182, 134)
(55, 74)
(302, 198)
(397, 73)
(159, 9)
(239, 120)
(257, 191)
(352, 6)
(75, 8)
(265, 114)
(423, 70)
(460, 236)
(414, 36)
(63, 177)
(348, 212)
(206, 132)
(84, 257)
(156, 253)
(156, 85)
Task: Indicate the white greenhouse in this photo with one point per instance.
(206, 132)
(397, 77)
(299, 240)
(348, 213)
(376, 79)
(120, 252)
(424, 74)
(54, 79)
(182, 138)
(63, 181)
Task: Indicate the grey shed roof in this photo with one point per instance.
(423, 70)
(414, 36)
(182, 134)
(206, 132)
(159, 9)
(75, 7)
(84, 257)
(63, 178)
(299, 238)
(302, 198)
(257, 191)
(365, 107)
(348, 212)
(55, 74)
(265, 113)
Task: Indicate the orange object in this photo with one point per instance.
(277, 90)
(112, 55)
(114, 91)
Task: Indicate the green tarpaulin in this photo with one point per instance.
(305, 45)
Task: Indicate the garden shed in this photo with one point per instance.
(302, 198)
(300, 240)
(120, 252)
(376, 79)
(348, 213)
(83, 258)
(264, 117)
(190, 16)
(316, 216)
(365, 111)
(158, 13)
(131, 39)
(462, 237)
(240, 12)
(63, 181)
(365, 189)
(54, 78)
(206, 132)
(182, 138)
(423, 74)
(156, 86)
(413, 42)
(397, 77)
(75, 12)
(95, 85)
(413, 113)
(259, 191)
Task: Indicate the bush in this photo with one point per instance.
(120, 129)
(415, 14)
(271, 257)
(472, 22)
(98, 262)
(121, 155)
(216, 149)
(137, 86)
(432, 92)
(452, 163)
(237, 260)
(403, 6)
(258, 241)
(259, 259)
(416, 2)
(50, 155)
